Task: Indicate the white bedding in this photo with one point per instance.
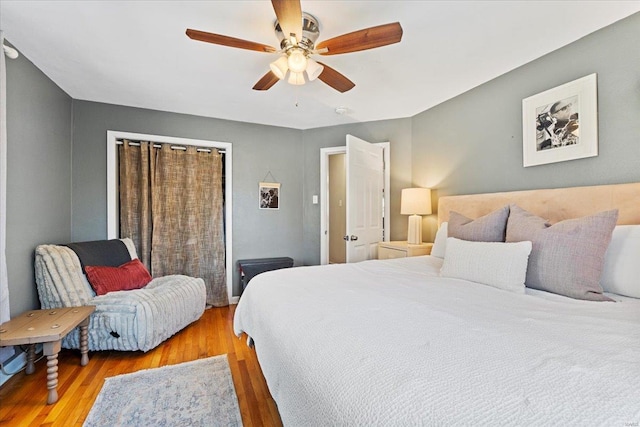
(391, 343)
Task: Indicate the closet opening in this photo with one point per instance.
(172, 196)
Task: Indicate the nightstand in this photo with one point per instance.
(389, 250)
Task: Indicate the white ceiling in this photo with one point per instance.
(136, 53)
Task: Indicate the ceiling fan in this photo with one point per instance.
(298, 32)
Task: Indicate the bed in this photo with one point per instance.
(391, 342)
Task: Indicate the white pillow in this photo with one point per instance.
(440, 243)
(497, 264)
(621, 272)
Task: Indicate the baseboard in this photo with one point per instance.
(16, 363)
(234, 300)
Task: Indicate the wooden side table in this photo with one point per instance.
(399, 249)
(47, 327)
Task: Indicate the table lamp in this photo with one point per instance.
(415, 202)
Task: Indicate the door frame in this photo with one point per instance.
(324, 189)
(112, 187)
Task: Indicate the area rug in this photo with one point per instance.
(198, 393)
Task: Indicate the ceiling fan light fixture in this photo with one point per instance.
(279, 67)
(313, 69)
(296, 78)
(298, 32)
(297, 60)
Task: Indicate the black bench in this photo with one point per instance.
(251, 267)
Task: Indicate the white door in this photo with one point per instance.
(365, 184)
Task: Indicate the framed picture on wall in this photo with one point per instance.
(561, 124)
(269, 195)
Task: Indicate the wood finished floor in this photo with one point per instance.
(23, 398)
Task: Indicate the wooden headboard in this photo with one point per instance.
(552, 204)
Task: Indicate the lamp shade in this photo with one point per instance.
(416, 201)
(296, 78)
(280, 67)
(297, 60)
(313, 69)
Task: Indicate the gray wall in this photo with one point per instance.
(293, 230)
(397, 132)
(473, 143)
(257, 149)
(38, 174)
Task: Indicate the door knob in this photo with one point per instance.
(353, 238)
(345, 238)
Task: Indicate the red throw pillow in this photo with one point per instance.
(130, 275)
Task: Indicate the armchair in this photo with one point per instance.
(138, 319)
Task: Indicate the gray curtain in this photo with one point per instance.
(171, 205)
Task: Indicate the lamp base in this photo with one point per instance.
(414, 234)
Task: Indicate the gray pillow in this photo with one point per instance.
(568, 257)
(488, 228)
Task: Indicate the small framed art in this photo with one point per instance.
(269, 195)
(561, 124)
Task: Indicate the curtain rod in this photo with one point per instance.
(173, 147)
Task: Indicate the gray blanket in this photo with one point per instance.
(110, 253)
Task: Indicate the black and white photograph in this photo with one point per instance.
(561, 124)
(269, 193)
(557, 124)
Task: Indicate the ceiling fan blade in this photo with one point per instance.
(266, 81)
(289, 14)
(335, 79)
(228, 41)
(368, 38)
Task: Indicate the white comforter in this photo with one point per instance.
(391, 343)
